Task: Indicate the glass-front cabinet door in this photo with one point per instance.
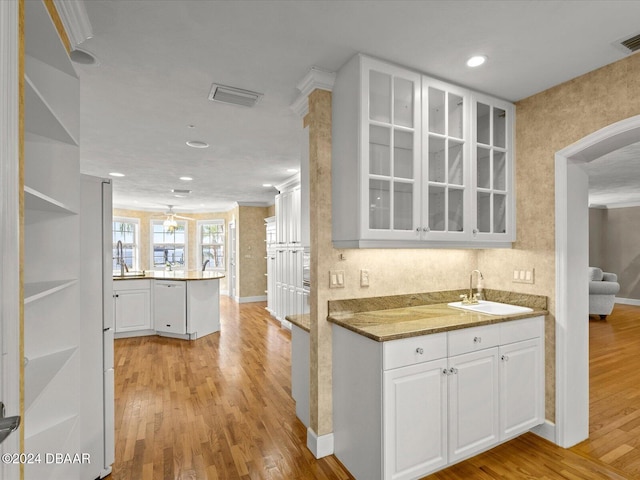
(390, 145)
(493, 169)
(446, 194)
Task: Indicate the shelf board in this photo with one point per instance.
(40, 371)
(37, 290)
(40, 117)
(35, 201)
(56, 433)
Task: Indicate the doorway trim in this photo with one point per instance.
(10, 280)
(233, 262)
(572, 259)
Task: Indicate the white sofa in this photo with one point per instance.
(603, 287)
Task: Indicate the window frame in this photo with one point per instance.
(199, 244)
(185, 245)
(135, 264)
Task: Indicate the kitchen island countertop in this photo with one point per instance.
(171, 275)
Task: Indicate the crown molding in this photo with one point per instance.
(75, 20)
(610, 206)
(315, 79)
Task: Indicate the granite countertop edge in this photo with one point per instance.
(445, 323)
(302, 321)
(183, 276)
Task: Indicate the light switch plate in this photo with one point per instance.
(364, 278)
(336, 279)
(524, 276)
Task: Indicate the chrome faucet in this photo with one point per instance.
(120, 258)
(472, 298)
(204, 265)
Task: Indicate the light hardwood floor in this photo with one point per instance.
(219, 408)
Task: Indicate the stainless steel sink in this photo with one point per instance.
(491, 308)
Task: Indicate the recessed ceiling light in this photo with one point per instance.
(267, 185)
(476, 60)
(186, 179)
(180, 196)
(197, 144)
(191, 126)
(116, 174)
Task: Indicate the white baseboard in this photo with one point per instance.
(286, 324)
(259, 298)
(547, 431)
(134, 333)
(628, 301)
(320, 446)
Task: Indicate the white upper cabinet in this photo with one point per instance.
(492, 153)
(418, 162)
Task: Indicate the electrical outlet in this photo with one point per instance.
(364, 278)
(336, 279)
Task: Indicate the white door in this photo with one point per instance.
(232, 260)
(9, 241)
(415, 420)
(473, 403)
(521, 387)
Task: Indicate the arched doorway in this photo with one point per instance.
(572, 254)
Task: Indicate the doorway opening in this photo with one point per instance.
(572, 261)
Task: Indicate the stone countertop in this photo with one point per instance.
(401, 316)
(302, 320)
(172, 275)
(395, 323)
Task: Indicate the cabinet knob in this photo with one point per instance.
(477, 339)
(475, 231)
(453, 371)
(504, 358)
(426, 229)
(419, 350)
(445, 371)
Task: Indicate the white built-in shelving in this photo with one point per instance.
(51, 243)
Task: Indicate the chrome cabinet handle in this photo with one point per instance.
(419, 350)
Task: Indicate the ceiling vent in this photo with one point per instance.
(178, 190)
(629, 45)
(233, 96)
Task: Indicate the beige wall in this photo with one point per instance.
(546, 123)
(596, 234)
(251, 251)
(619, 232)
(251, 265)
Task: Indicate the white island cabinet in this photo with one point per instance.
(177, 304)
(417, 162)
(422, 403)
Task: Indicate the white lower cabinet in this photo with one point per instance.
(473, 403)
(423, 403)
(132, 305)
(414, 444)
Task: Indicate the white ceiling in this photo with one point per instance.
(158, 59)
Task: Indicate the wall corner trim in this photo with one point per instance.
(75, 20)
(320, 446)
(315, 79)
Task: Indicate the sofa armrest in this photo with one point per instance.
(609, 277)
(603, 288)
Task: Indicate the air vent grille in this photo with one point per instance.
(633, 43)
(233, 96)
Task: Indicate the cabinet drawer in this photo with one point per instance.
(519, 330)
(472, 339)
(414, 350)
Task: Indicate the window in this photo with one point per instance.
(211, 244)
(126, 230)
(168, 245)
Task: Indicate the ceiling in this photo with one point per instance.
(158, 60)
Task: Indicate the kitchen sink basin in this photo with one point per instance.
(131, 274)
(491, 308)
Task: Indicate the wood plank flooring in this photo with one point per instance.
(219, 408)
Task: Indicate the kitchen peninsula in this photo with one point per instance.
(179, 304)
